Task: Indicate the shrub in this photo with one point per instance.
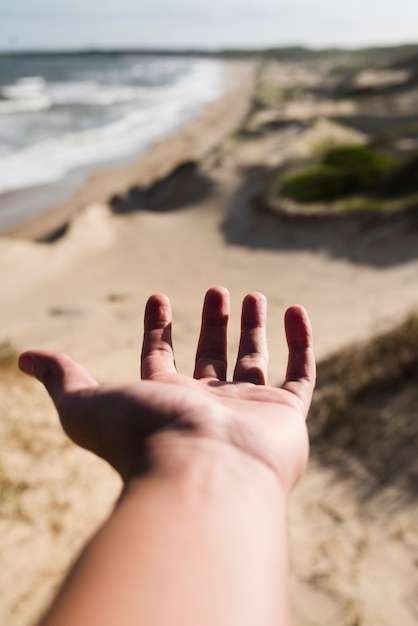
(362, 160)
(316, 184)
(401, 180)
(343, 171)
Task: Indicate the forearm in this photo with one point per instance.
(200, 542)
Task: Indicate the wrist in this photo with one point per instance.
(202, 463)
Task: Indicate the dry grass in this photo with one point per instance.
(366, 403)
(8, 356)
(11, 500)
(52, 495)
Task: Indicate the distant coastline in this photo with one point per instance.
(285, 53)
(88, 115)
(59, 202)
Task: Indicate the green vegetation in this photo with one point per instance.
(361, 160)
(352, 178)
(343, 171)
(402, 180)
(316, 184)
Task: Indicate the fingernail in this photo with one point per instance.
(26, 364)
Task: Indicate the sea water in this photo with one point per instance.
(63, 112)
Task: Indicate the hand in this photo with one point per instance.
(121, 422)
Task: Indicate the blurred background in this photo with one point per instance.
(269, 146)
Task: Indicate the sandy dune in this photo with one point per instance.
(85, 293)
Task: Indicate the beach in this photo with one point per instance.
(77, 278)
(191, 142)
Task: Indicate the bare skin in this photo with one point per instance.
(199, 534)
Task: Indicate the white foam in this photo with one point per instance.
(40, 103)
(159, 111)
(90, 92)
(27, 94)
(24, 88)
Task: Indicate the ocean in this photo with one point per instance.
(67, 113)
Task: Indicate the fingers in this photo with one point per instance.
(157, 355)
(252, 361)
(301, 370)
(57, 371)
(211, 355)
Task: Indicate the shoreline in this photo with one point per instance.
(189, 142)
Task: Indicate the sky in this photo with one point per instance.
(213, 24)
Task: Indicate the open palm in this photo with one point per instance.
(118, 422)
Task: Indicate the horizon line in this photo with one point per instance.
(98, 49)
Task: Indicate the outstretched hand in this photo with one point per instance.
(121, 422)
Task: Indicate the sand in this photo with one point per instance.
(84, 294)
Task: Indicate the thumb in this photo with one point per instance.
(58, 372)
